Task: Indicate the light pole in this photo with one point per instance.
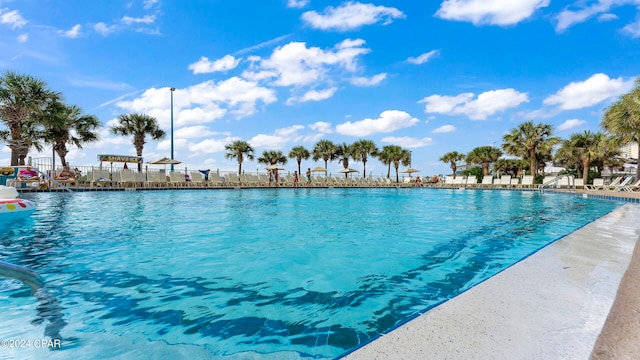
(172, 90)
(410, 156)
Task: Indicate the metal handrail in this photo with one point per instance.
(47, 177)
(572, 182)
(22, 274)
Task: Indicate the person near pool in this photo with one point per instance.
(66, 175)
(28, 174)
(308, 176)
(270, 174)
(295, 178)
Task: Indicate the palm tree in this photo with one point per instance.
(530, 141)
(386, 157)
(138, 125)
(484, 155)
(238, 150)
(452, 158)
(569, 156)
(325, 150)
(509, 166)
(609, 155)
(622, 120)
(588, 145)
(65, 124)
(361, 151)
(272, 157)
(344, 152)
(31, 134)
(299, 153)
(21, 96)
(396, 155)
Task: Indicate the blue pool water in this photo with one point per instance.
(259, 274)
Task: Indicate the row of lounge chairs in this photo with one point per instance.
(504, 181)
(617, 184)
(132, 179)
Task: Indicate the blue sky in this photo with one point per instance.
(431, 76)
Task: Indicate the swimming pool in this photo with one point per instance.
(260, 273)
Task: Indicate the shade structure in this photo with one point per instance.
(274, 167)
(165, 161)
(410, 170)
(319, 169)
(348, 171)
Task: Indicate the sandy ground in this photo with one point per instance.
(552, 305)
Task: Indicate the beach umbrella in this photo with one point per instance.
(319, 169)
(410, 170)
(165, 161)
(348, 171)
(274, 167)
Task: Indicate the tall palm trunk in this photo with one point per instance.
(389, 171)
(364, 164)
(586, 162)
(534, 162)
(62, 152)
(396, 165)
(454, 168)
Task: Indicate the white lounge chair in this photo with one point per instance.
(487, 181)
(631, 188)
(612, 186)
(598, 184)
(527, 181)
(472, 181)
(620, 185)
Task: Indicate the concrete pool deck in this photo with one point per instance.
(551, 305)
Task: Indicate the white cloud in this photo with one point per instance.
(364, 81)
(128, 20)
(262, 45)
(607, 17)
(321, 127)
(294, 64)
(633, 29)
(571, 124)
(201, 103)
(444, 129)
(22, 38)
(148, 4)
(278, 139)
(408, 142)
(312, 95)
(103, 29)
(12, 18)
(491, 12)
(423, 58)
(73, 33)
(487, 103)
(205, 66)
(297, 4)
(351, 15)
(568, 18)
(389, 121)
(580, 94)
(210, 146)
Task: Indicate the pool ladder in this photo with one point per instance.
(556, 180)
